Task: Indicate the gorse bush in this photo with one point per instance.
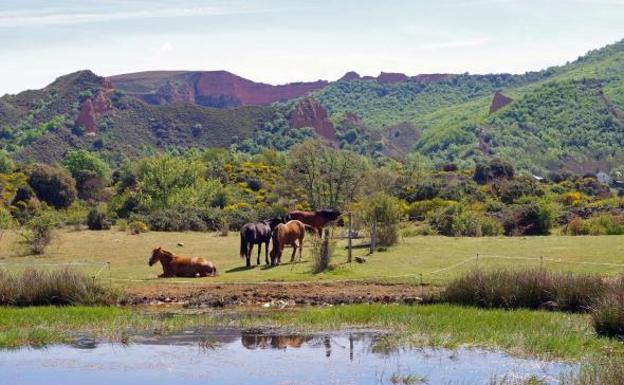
(57, 287)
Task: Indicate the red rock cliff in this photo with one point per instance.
(309, 113)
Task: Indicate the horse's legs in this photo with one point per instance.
(266, 252)
(259, 251)
(292, 257)
(300, 248)
(248, 256)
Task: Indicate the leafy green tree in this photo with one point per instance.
(330, 177)
(91, 173)
(166, 181)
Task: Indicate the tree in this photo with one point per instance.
(52, 185)
(331, 178)
(90, 172)
(166, 181)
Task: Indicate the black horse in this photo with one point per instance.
(257, 233)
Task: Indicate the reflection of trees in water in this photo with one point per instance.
(377, 344)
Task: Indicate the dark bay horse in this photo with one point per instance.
(177, 266)
(317, 219)
(257, 233)
(290, 233)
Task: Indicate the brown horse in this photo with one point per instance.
(177, 266)
(290, 233)
(317, 219)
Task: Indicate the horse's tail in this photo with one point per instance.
(243, 246)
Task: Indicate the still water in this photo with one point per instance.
(235, 357)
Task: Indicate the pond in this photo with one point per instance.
(235, 357)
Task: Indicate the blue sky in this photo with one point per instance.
(279, 41)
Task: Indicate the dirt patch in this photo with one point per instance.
(279, 294)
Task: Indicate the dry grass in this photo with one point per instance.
(52, 287)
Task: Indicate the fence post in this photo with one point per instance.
(373, 238)
(477, 262)
(350, 243)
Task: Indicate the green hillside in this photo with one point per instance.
(567, 117)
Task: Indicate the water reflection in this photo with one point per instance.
(232, 357)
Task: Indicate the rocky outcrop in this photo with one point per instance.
(351, 75)
(391, 77)
(86, 117)
(310, 113)
(208, 88)
(499, 101)
(90, 109)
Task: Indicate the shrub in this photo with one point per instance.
(6, 164)
(576, 226)
(52, 185)
(603, 224)
(496, 169)
(534, 218)
(384, 211)
(511, 190)
(38, 232)
(530, 288)
(458, 220)
(57, 287)
(97, 220)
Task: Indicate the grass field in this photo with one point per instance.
(128, 254)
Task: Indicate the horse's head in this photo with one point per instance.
(329, 214)
(272, 222)
(155, 257)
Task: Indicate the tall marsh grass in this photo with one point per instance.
(538, 289)
(55, 287)
(532, 289)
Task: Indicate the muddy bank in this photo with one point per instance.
(279, 294)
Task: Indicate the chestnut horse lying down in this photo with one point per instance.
(290, 233)
(317, 219)
(177, 266)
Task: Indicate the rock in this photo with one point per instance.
(499, 101)
(360, 259)
(180, 244)
(310, 113)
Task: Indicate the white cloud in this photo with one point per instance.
(25, 18)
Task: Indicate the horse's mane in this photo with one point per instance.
(329, 214)
(169, 255)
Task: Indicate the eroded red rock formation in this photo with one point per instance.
(86, 117)
(310, 113)
(499, 101)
